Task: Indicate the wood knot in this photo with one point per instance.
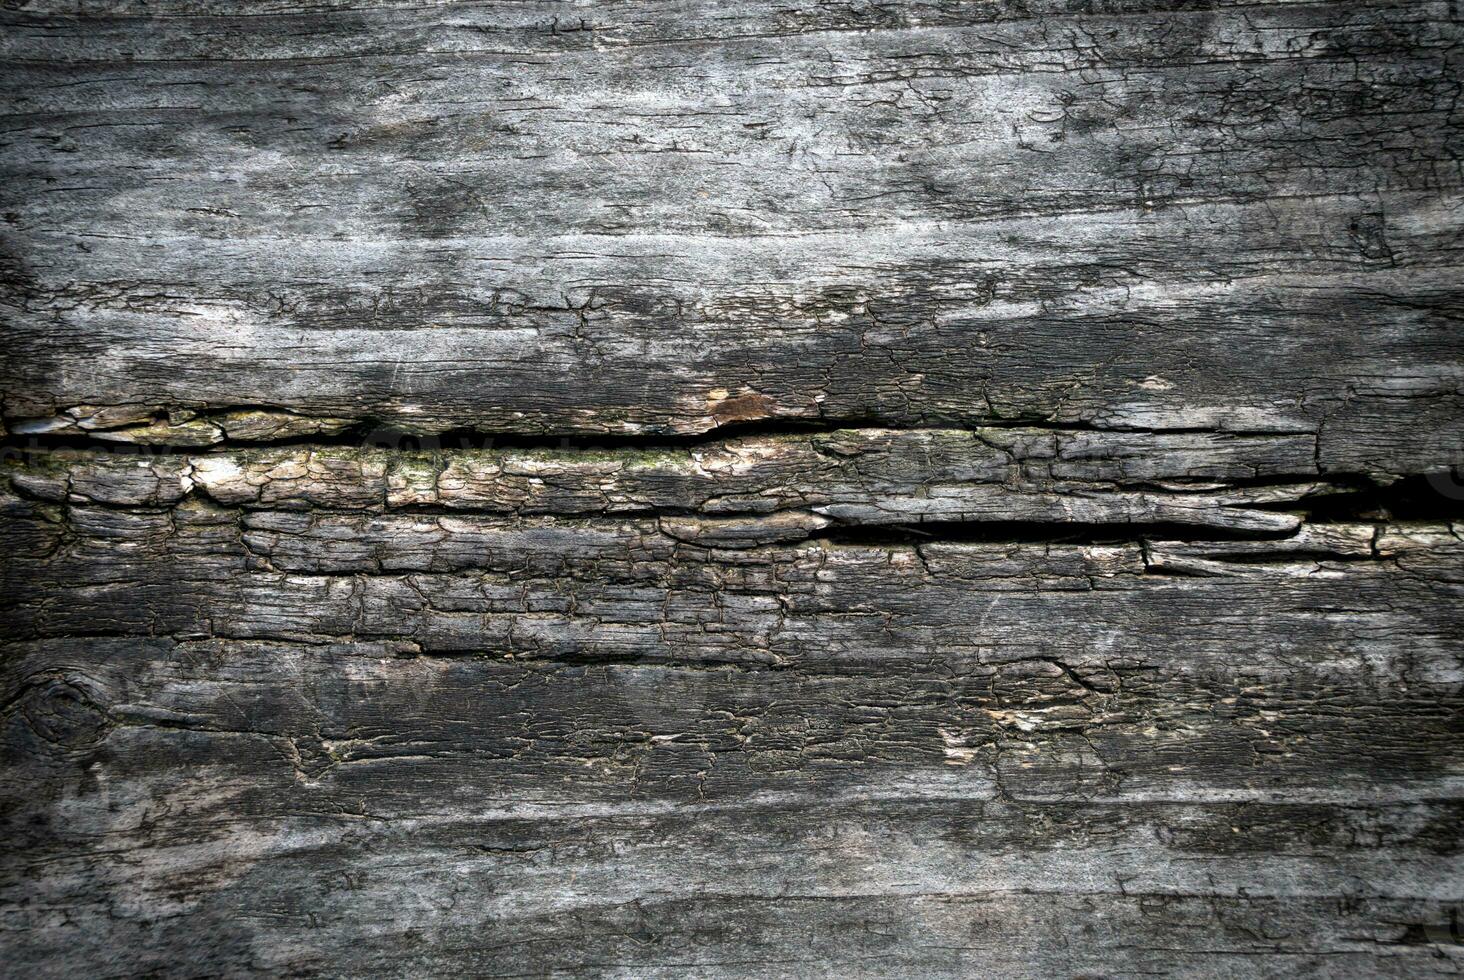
(61, 711)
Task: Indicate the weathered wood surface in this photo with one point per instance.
(686, 489)
(660, 217)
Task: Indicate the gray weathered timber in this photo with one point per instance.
(661, 217)
(676, 489)
(466, 695)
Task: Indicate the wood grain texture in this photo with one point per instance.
(659, 488)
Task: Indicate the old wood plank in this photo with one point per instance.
(658, 488)
(946, 215)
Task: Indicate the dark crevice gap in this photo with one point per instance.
(1434, 496)
(592, 658)
(1032, 532)
(1286, 557)
(1415, 499)
(368, 435)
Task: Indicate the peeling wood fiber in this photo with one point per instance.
(657, 489)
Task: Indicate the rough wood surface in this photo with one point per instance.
(678, 489)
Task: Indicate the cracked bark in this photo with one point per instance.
(664, 489)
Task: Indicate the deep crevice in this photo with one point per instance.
(369, 435)
(591, 658)
(1413, 498)
(1032, 532)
